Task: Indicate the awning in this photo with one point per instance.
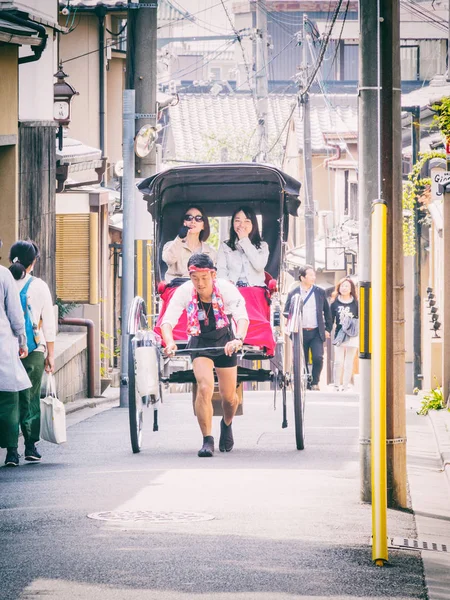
(75, 157)
(11, 33)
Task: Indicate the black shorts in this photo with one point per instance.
(222, 361)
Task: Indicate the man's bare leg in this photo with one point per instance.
(227, 387)
(204, 374)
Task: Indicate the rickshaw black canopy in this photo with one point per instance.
(220, 189)
(211, 184)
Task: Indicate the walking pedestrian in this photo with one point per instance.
(316, 320)
(211, 304)
(40, 328)
(13, 377)
(344, 312)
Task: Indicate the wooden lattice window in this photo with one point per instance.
(72, 257)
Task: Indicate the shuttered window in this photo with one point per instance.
(72, 257)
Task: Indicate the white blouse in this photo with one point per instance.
(246, 263)
(41, 304)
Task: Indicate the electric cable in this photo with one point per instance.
(243, 55)
(338, 41)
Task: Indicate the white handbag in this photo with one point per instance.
(53, 415)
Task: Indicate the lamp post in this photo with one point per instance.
(63, 93)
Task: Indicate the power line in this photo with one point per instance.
(243, 53)
(338, 41)
(283, 128)
(191, 68)
(186, 17)
(323, 48)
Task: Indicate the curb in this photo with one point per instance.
(109, 395)
(440, 423)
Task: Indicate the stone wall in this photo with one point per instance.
(70, 366)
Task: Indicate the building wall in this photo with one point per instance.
(8, 200)
(38, 75)
(8, 90)
(84, 76)
(37, 177)
(115, 87)
(8, 148)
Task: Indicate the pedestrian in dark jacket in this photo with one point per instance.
(316, 320)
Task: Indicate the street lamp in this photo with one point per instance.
(62, 97)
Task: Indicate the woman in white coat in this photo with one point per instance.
(243, 257)
(13, 377)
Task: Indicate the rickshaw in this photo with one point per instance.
(220, 189)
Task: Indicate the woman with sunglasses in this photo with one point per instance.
(344, 311)
(243, 257)
(191, 239)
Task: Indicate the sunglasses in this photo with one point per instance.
(197, 218)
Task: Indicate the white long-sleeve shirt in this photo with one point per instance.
(234, 303)
(246, 263)
(40, 301)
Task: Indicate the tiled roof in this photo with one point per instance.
(198, 119)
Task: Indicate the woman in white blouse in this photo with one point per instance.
(23, 256)
(243, 257)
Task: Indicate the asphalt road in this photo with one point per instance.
(286, 524)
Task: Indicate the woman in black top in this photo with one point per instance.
(345, 304)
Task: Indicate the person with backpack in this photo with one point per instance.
(40, 329)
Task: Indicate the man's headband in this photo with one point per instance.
(193, 268)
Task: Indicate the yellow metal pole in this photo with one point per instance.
(93, 257)
(378, 395)
(138, 268)
(149, 298)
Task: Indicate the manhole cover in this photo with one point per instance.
(148, 516)
(410, 544)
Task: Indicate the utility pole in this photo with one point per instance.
(417, 330)
(127, 288)
(391, 187)
(142, 77)
(369, 191)
(142, 72)
(262, 86)
(307, 154)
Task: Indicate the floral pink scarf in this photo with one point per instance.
(217, 306)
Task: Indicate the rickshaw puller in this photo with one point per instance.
(210, 304)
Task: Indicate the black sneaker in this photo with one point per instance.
(32, 454)
(12, 458)
(226, 441)
(207, 450)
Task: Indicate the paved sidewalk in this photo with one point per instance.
(429, 483)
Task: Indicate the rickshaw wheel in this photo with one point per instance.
(135, 403)
(298, 382)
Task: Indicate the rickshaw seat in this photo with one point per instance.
(166, 292)
(259, 332)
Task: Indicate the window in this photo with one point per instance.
(215, 74)
(410, 62)
(354, 212)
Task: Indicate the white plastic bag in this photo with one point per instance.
(53, 415)
(147, 376)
